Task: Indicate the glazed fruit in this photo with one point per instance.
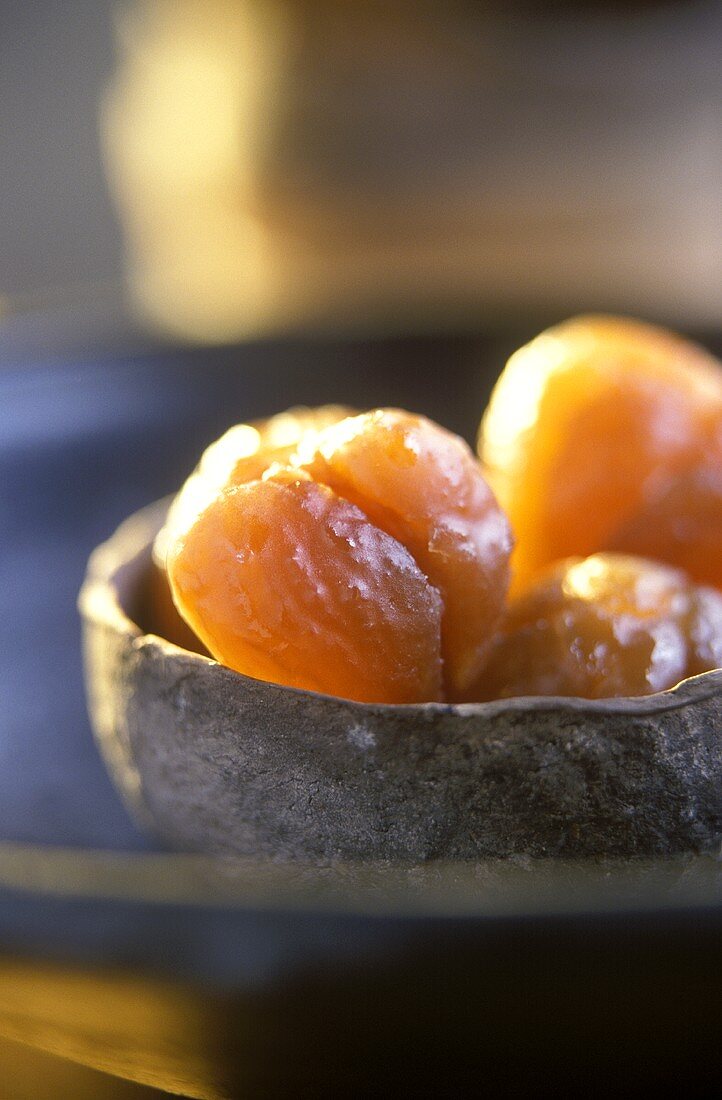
(423, 486)
(241, 454)
(605, 625)
(585, 425)
(377, 564)
(285, 581)
(682, 523)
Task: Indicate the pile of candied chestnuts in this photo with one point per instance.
(376, 558)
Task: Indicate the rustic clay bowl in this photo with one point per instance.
(215, 761)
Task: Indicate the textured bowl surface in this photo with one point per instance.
(214, 761)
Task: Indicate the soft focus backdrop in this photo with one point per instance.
(249, 166)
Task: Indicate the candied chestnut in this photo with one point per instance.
(682, 523)
(602, 626)
(423, 486)
(241, 454)
(287, 582)
(586, 423)
(367, 562)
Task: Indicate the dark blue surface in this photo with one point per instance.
(328, 1005)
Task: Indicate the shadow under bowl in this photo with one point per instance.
(214, 761)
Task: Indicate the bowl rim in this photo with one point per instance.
(117, 562)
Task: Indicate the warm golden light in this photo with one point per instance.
(514, 407)
(183, 128)
(142, 1029)
(334, 437)
(287, 429)
(279, 164)
(213, 472)
(224, 463)
(584, 580)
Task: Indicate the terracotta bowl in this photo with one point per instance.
(214, 761)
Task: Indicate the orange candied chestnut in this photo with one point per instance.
(285, 581)
(681, 524)
(606, 625)
(584, 425)
(241, 454)
(422, 485)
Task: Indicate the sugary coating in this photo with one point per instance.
(681, 524)
(285, 581)
(606, 625)
(423, 486)
(584, 425)
(241, 454)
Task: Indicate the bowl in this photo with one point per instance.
(214, 761)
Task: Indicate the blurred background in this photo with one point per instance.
(211, 210)
(264, 166)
